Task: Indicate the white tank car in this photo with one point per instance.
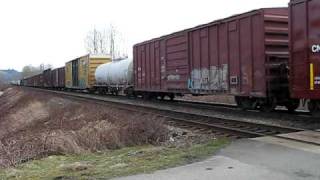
(115, 74)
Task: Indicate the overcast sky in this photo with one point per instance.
(53, 32)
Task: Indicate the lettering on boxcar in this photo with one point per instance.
(315, 48)
(173, 77)
(234, 80)
(317, 80)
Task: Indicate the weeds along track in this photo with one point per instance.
(226, 126)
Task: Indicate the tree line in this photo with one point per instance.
(104, 41)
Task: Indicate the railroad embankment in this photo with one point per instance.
(45, 136)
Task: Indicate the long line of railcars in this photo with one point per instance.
(264, 58)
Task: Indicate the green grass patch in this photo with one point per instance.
(109, 164)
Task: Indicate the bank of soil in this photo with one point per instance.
(40, 131)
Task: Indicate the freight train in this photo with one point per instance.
(264, 58)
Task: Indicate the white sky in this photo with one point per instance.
(53, 31)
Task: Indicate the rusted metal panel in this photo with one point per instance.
(61, 77)
(231, 56)
(54, 78)
(37, 80)
(175, 67)
(305, 49)
(58, 77)
(259, 57)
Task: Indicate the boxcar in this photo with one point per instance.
(47, 82)
(58, 78)
(23, 82)
(37, 80)
(305, 51)
(244, 55)
(79, 73)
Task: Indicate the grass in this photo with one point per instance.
(109, 164)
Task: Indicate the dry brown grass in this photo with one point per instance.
(34, 124)
(3, 86)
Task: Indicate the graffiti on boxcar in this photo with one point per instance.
(173, 77)
(204, 79)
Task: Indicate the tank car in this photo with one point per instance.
(115, 77)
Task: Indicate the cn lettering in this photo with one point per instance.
(315, 48)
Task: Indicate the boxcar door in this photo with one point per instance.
(163, 59)
(75, 70)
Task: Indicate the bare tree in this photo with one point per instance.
(30, 70)
(106, 41)
(45, 67)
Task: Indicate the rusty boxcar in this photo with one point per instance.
(244, 55)
(58, 78)
(36, 81)
(305, 51)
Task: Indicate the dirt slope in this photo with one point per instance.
(33, 124)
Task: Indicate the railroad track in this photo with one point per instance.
(218, 124)
(226, 108)
(223, 106)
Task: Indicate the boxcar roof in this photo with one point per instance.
(91, 56)
(224, 20)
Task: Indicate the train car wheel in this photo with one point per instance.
(130, 93)
(146, 96)
(314, 108)
(100, 91)
(292, 105)
(91, 91)
(161, 96)
(245, 103)
(171, 96)
(268, 105)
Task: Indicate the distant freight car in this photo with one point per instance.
(244, 55)
(47, 82)
(80, 72)
(36, 81)
(58, 78)
(305, 52)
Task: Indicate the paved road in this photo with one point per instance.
(256, 159)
